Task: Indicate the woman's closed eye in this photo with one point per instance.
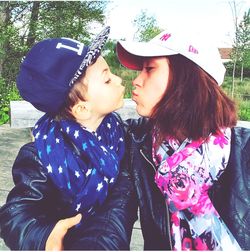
(148, 69)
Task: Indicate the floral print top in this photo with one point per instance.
(185, 173)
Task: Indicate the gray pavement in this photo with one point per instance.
(10, 142)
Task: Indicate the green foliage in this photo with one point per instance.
(244, 110)
(12, 51)
(69, 18)
(116, 68)
(27, 22)
(7, 95)
(241, 96)
(229, 67)
(110, 55)
(241, 47)
(23, 23)
(127, 77)
(147, 27)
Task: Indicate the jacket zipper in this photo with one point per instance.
(148, 160)
(167, 211)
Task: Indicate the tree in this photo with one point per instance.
(4, 20)
(69, 18)
(243, 37)
(110, 55)
(147, 27)
(33, 24)
(235, 49)
(23, 23)
(10, 46)
(240, 54)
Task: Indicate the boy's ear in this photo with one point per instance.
(81, 110)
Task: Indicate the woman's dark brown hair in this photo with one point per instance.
(193, 105)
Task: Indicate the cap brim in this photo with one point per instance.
(94, 50)
(132, 54)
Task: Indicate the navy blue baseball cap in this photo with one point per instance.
(51, 68)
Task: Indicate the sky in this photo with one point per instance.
(207, 17)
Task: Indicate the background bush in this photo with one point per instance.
(23, 23)
(7, 94)
(241, 95)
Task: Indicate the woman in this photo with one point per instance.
(189, 163)
(69, 191)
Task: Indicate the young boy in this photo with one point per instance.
(78, 143)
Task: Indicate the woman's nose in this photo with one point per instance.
(137, 82)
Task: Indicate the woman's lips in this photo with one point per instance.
(134, 93)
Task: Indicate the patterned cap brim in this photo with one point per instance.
(93, 52)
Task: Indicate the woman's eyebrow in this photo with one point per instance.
(147, 62)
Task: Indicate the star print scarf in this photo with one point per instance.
(81, 164)
(185, 174)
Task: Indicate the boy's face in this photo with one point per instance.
(104, 92)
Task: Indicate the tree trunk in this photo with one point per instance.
(4, 20)
(33, 23)
(2, 17)
(233, 83)
(242, 72)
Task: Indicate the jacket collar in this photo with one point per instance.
(241, 136)
(142, 136)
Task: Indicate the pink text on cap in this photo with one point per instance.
(165, 37)
(192, 49)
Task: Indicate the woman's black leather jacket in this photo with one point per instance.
(34, 206)
(230, 194)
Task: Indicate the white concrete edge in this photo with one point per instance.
(24, 115)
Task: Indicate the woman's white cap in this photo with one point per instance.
(195, 48)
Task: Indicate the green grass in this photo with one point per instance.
(241, 95)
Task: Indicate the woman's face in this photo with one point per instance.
(150, 84)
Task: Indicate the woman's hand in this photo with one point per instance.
(55, 239)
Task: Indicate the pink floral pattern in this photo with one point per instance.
(182, 190)
(184, 179)
(221, 141)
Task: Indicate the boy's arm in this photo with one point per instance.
(26, 220)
